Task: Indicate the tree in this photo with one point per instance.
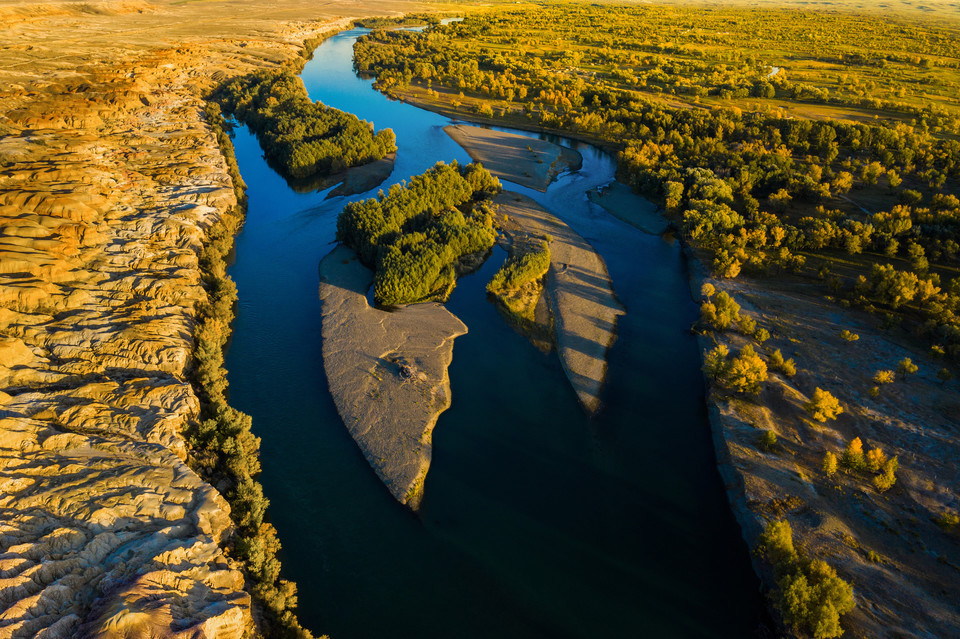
(853, 455)
(906, 367)
(727, 311)
(883, 377)
(871, 172)
(887, 477)
(847, 336)
(715, 363)
(875, 460)
(747, 371)
(843, 182)
(829, 464)
(823, 406)
(810, 595)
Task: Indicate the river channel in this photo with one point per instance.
(537, 521)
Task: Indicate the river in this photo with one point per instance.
(537, 521)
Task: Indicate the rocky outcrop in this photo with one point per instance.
(387, 372)
(579, 291)
(110, 180)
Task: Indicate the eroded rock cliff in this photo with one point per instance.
(110, 179)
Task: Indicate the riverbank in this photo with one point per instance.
(873, 535)
(387, 372)
(114, 183)
(881, 542)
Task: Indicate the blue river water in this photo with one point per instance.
(538, 521)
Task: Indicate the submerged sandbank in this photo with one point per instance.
(619, 200)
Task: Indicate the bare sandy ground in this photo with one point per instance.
(516, 158)
(580, 294)
(387, 372)
(904, 568)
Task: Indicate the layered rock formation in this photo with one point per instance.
(387, 372)
(109, 181)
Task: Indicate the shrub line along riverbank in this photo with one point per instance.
(223, 448)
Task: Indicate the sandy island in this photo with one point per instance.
(387, 372)
(579, 292)
(525, 161)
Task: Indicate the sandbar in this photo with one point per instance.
(579, 292)
(516, 158)
(387, 372)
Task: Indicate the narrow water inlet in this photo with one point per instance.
(537, 520)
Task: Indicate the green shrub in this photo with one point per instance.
(785, 366)
(767, 441)
(906, 367)
(810, 596)
(947, 520)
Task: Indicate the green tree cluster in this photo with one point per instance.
(223, 448)
(744, 373)
(810, 596)
(302, 137)
(414, 236)
(732, 173)
(519, 270)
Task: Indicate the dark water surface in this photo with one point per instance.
(537, 521)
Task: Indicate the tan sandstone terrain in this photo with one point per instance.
(109, 181)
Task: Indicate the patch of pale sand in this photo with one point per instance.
(580, 293)
(619, 200)
(387, 372)
(517, 158)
